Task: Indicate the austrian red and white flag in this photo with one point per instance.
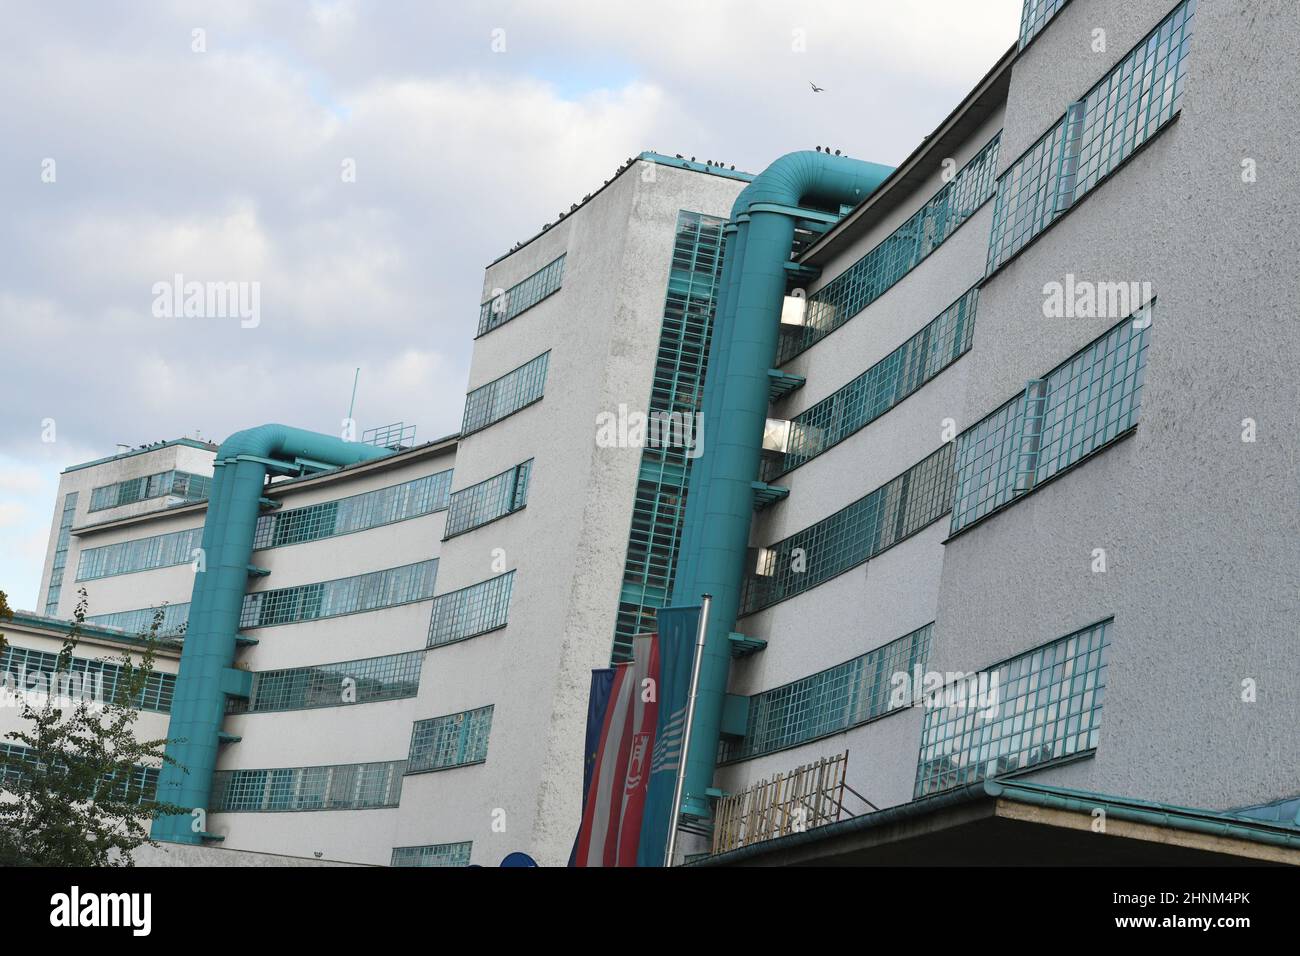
(611, 819)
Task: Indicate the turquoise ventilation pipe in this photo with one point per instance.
(206, 676)
(720, 496)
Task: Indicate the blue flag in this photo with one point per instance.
(678, 628)
(602, 681)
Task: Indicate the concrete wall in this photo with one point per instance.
(1199, 528)
(568, 546)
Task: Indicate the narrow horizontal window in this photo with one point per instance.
(862, 530)
(501, 308)
(139, 622)
(23, 668)
(1086, 402)
(832, 700)
(370, 509)
(173, 484)
(143, 554)
(898, 254)
(453, 740)
(471, 611)
(488, 500)
(136, 785)
(364, 592)
(354, 786)
(1130, 105)
(1036, 708)
(504, 396)
(902, 372)
(365, 681)
(437, 854)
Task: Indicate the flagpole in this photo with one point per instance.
(705, 601)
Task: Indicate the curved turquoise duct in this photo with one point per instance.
(206, 675)
(720, 495)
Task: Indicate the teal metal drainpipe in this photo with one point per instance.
(719, 504)
(206, 674)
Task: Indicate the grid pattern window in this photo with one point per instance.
(832, 700)
(175, 484)
(488, 500)
(438, 854)
(143, 554)
(504, 396)
(677, 391)
(140, 621)
(1090, 400)
(364, 592)
(371, 509)
(870, 525)
(17, 761)
(504, 306)
(1036, 708)
(86, 678)
(354, 786)
(1035, 16)
(60, 554)
(365, 681)
(943, 340)
(1129, 106)
(451, 741)
(898, 254)
(471, 611)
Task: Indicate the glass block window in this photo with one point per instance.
(1039, 707)
(678, 389)
(16, 761)
(504, 396)
(488, 500)
(364, 592)
(943, 340)
(354, 786)
(1130, 104)
(832, 700)
(1034, 17)
(60, 554)
(88, 679)
(1086, 402)
(370, 509)
(364, 681)
(862, 530)
(140, 621)
(175, 484)
(477, 609)
(898, 254)
(438, 854)
(500, 309)
(451, 741)
(143, 554)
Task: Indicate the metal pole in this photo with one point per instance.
(705, 601)
(352, 404)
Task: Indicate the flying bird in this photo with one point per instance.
(816, 88)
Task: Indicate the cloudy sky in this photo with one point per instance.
(220, 156)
